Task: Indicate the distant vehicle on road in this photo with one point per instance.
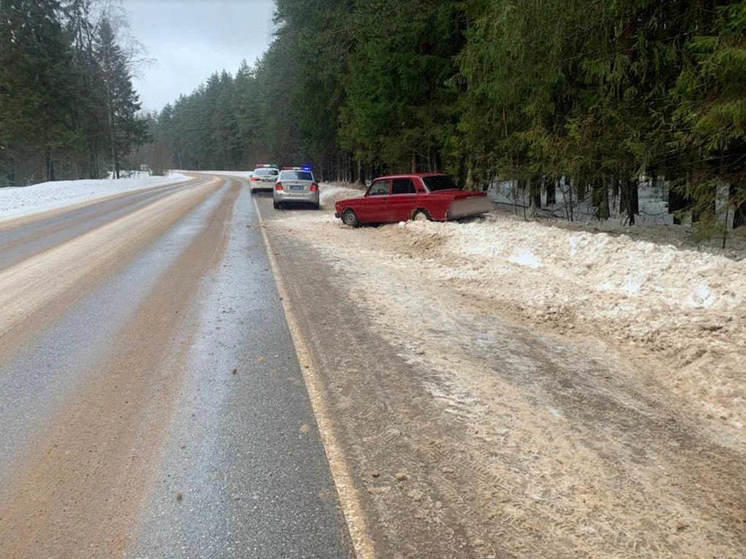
(296, 185)
(417, 196)
(263, 177)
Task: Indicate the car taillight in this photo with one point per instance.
(278, 186)
(314, 187)
(254, 179)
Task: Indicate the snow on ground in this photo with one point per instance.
(684, 310)
(334, 192)
(588, 383)
(24, 200)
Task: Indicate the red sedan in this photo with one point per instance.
(426, 196)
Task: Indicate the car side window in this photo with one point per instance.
(380, 188)
(403, 186)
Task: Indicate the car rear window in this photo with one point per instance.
(403, 186)
(439, 182)
(266, 172)
(296, 175)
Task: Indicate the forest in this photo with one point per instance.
(586, 96)
(600, 93)
(67, 105)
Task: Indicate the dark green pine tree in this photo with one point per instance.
(37, 90)
(710, 118)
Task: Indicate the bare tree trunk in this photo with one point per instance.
(535, 193)
(628, 201)
(112, 135)
(725, 225)
(601, 199)
(551, 189)
(49, 163)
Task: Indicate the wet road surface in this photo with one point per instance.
(151, 401)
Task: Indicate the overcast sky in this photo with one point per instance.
(191, 39)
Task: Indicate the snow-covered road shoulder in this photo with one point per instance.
(25, 200)
(588, 386)
(682, 308)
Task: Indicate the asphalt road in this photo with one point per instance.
(151, 401)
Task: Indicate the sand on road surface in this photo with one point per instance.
(91, 456)
(477, 430)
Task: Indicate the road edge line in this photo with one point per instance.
(349, 498)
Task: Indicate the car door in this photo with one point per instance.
(372, 207)
(403, 199)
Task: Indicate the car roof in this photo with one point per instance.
(410, 175)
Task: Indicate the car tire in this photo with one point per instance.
(316, 206)
(349, 218)
(276, 205)
(421, 215)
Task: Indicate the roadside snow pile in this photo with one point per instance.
(600, 262)
(525, 258)
(686, 307)
(24, 200)
(331, 193)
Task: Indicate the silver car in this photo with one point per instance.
(296, 186)
(263, 178)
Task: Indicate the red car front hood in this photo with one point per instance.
(342, 204)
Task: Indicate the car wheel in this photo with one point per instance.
(275, 204)
(421, 215)
(316, 206)
(349, 218)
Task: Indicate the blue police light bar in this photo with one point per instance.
(307, 168)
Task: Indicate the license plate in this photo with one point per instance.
(296, 187)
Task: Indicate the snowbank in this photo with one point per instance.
(25, 200)
(332, 192)
(685, 309)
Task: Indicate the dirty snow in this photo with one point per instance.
(25, 200)
(525, 257)
(684, 309)
(599, 380)
(331, 193)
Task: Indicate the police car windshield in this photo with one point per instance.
(266, 172)
(296, 176)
